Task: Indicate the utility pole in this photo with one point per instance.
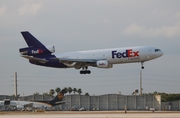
(15, 84)
(140, 83)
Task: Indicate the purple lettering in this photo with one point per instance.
(128, 53)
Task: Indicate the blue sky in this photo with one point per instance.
(90, 24)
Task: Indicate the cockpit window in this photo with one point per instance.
(157, 50)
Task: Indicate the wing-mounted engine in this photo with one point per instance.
(20, 107)
(103, 64)
(69, 64)
(32, 51)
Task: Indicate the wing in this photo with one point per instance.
(78, 63)
(28, 105)
(77, 60)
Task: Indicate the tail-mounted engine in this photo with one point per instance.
(32, 51)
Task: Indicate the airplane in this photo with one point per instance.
(39, 54)
(57, 100)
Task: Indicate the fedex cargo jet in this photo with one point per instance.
(39, 54)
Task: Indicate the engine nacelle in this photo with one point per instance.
(31, 51)
(103, 64)
(51, 48)
(20, 107)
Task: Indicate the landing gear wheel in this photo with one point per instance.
(85, 72)
(142, 67)
(81, 72)
(88, 72)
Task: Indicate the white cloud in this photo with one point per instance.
(2, 10)
(167, 31)
(29, 8)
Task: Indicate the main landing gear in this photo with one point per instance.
(142, 67)
(85, 71)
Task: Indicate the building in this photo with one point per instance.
(103, 102)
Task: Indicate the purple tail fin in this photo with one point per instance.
(35, 47)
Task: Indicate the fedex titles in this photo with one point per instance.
(37, 51)
(128, 53)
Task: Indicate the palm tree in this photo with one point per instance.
(69, 89)
(65, 88)
(36, 93)
(74, 90)
(51, 92)
(87, 94)
(18, 95)
(57, 90)
(155, 93)
(79, 91)
(46, 93)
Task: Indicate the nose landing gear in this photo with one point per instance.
(142, 67)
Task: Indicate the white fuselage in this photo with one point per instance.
(116, 55)
(21, 104)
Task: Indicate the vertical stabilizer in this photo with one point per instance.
(35, 47)
(31, 40)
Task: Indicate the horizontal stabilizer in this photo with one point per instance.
(35, 59)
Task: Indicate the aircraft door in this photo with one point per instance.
(149, 54)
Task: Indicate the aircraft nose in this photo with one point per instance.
(161, 53)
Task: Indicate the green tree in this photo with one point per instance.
(51, 92)
(74, 90)
(46, 93)
(65, 88)
(57, 90)
(79, 91)
(69, 89)
(155, 92)
(36, 93)
(87, 94)
(18, 95)
(165, 97)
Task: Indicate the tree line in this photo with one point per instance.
(167, 97)
(58, 89)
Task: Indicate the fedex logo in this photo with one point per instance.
(128, 53)
(37, 51)
(102, 64)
